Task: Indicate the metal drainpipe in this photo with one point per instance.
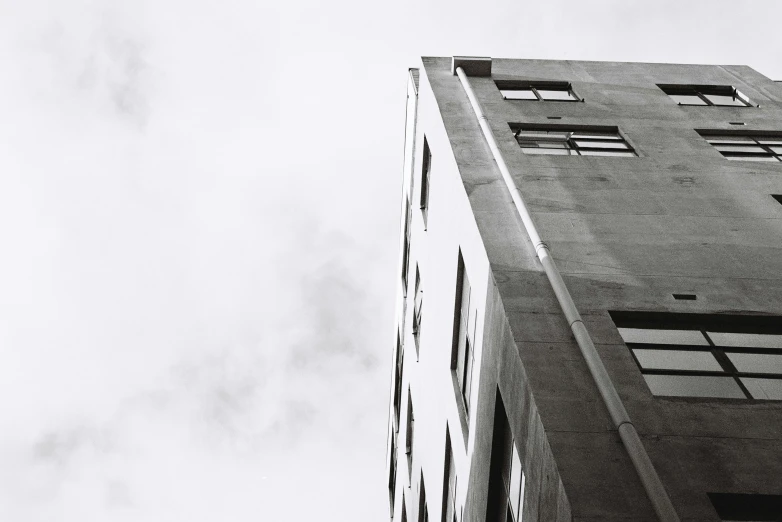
(632, 442)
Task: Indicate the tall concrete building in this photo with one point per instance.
(589, 315)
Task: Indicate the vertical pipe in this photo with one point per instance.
(627, 432)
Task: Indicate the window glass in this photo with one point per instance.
(602, 144)
(764, 388)
(745, 340)
(676, 360)
(729, 139)
(756, 362)
(547, 94)
(515, 483)
(643, 335)
(551, 152)
(625, 153)
(519, 94)
(777, 149)
(595, 135)
(770, 141)
(720, 99)
(542, 135)
(687, 99)
(752, 158)
(694, 386)
(739, 148)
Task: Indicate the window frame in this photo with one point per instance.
(571, 137)
(534, 87)
(417, 310)
(708, 325)
(702, 92)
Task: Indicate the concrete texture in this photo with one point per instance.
(626, 233)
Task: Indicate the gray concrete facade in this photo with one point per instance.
(627, 234)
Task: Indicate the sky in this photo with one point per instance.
(199, 219)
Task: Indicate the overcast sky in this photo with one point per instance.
(199, 208)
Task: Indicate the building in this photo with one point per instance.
(589, 320)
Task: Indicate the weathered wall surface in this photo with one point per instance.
(626, 233)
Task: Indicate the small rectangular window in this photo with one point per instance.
(713, 95)
(756, 362)
(537, 91)
(560, 140)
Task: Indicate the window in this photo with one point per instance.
(778, 197)
(506, 484)
(559, 140)
(423, 511)
(406, 248)
(714, 95)
(417, 310)
(462, 358)
(409, 438)
(741, 506)
(449, 483)
(706, 355)
(392, 474)
(400, 355)
(537, 91)
(746, 147)
(427, 166)
(404, 508)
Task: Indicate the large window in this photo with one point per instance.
(560, 140)
(410, 434)
(714, 95)
(449, 483)
(400, 357)
(423, 510)
(506, 484)
(537, 91)
(746, 147)
(406, 247)
(417, 310)
(392, 474)
(462, 358)
(706, 355)
(425, 169)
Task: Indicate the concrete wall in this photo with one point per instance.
(626, 233)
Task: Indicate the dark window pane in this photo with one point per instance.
(756, 362)
(764, 388)
(694, 386)
(547, 94)
(747, 506)
(676, 360)
(643, 335)
(687, 99)
(520, 94)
